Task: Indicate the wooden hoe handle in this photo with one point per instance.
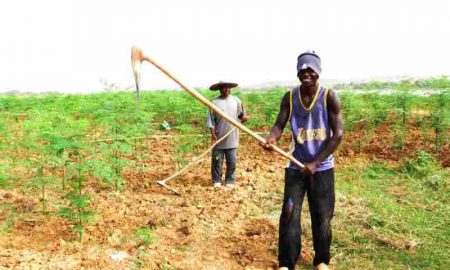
(235, 123)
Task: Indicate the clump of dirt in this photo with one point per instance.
(444, 156)
(255, 246)
(21, 201)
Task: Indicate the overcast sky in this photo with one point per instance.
(71, 46)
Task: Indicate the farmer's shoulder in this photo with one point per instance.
(332, 96)
(332, 100)
(285, 101)
(287, 94)
(235, 99)
(294, 88)
(216, 100)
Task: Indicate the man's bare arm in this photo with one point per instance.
(336, 124)
(280, 123)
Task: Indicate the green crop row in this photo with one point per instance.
(62, 140)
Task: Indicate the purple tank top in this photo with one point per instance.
(309, 128)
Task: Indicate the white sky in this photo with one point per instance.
(70, 46)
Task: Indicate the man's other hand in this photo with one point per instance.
(268, 145)
(244, 117)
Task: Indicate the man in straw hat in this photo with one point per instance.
(314, 113)
(227, 148)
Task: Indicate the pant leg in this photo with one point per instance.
(289, 241)
(321, 198)
(216, 165)
(231, 160)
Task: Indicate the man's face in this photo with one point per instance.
(225, 91)
(308, 77)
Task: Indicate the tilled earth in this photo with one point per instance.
(204, 228)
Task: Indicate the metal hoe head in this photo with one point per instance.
(163, 183)
(136, 60)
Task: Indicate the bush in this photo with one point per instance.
(421, 166)
(437, 180)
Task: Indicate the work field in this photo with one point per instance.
(78, 183)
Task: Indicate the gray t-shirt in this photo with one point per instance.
(232, 106)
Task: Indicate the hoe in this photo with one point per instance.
(198, 159)
(137, 57)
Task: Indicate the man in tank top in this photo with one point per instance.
(316, 124)
(226, 149)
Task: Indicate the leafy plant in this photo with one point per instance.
(9, 211)
(143, 236)
(421, 166)
(41, 182)
(440, 118)
(184, 144)
(77, 210)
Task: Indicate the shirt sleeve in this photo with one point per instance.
(240, 107)
(210, 123)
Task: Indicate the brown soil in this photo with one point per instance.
(381, 145)
(204, 228)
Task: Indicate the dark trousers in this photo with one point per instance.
(217, 158)
(319, 188)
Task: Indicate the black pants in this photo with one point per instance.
(320, 191)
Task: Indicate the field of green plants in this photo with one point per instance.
(59, 153)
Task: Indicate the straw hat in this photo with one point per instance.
(219, 85)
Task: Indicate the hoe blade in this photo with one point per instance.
(162, 183)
